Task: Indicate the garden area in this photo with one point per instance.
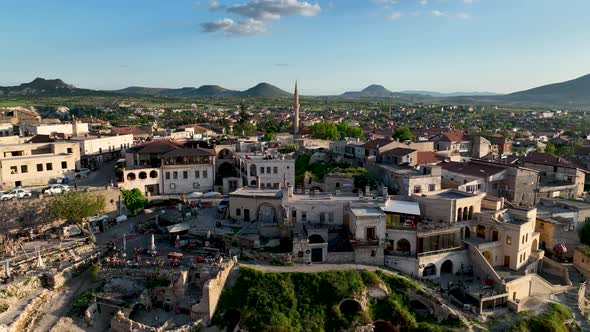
(316, 302)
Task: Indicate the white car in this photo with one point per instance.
(82, 172)
(15, 193)
(56, 189)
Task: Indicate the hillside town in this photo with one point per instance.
(490, 219)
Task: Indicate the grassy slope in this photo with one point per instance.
(309, 301)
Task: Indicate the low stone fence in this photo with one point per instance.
(212, 289)
(553, 268)
(345, 257)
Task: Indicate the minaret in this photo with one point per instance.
(296, 108)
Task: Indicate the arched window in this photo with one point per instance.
(142, 175)
(130, 176)
(253, 170)
(153, 174)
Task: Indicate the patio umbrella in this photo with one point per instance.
(40, 263)
(124, 245)
(153, 246)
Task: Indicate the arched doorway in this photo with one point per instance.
(446, 267)
(467, 232)
(535, 245)
(459, 214)
(481, 232)
(470, 216)
(488, 256)
(429, 270)
(253, 170)
(225, 170)
(225, 154)
(403, 245)
(316, 238)
(494, 234)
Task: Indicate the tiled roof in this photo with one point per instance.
(377, 143)
(473, 168)
(548, 159)
(427, 157)
(398, 152)
(157, 147)
(129, 130)
(453, 136)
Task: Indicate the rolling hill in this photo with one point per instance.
(576, 91)
(44, 87)
(372, 91)
(265, 90)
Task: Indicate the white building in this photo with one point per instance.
(266, 170)
(67, 129)
(94, 150)
(37, 164)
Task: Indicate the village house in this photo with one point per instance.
(164, 167)
(37, 164)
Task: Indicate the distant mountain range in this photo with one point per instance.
(260, 90)
(573, 92)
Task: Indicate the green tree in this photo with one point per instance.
(402, 134)
(551, 149)
(134, 200)
(585, 234)
(77, 207)
(269, 136)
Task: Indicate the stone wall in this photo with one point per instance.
(205, 309)
(372, 255)
(34, 212)
(407, 265)
(340, 257)
(551, 267)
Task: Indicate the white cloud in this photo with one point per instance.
(438, 13)
(423, 2)
(231, 27)
(257, 14)
(394, 16)
(468, 1)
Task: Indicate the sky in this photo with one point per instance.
(329, 46)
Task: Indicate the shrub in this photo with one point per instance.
(81, 303)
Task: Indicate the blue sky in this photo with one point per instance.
(330, 46)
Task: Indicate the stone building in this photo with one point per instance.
(404, 180)
(37, 164)
(164, 167)
(94, 150)
(558, 177)
(266, 170)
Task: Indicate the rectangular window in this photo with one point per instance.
(69, 150)
(432, 187)
(238, 212)
(24, 169)
(185, 175)
(322, 216)
(49, 166)
(268, 170)
(175, 175)
(64, 165)
(303, 216)
(417, 189)
(39, 167)
(197, 174)
(173, 186)
(261, 170)
(371, 233)
(508, 240)
(204, 174)
(300, 254)
(167, 175)
(275, 170)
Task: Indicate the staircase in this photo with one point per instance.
(570, 298)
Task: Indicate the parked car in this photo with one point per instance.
(82, 172)
(56, 189)
(15, 193)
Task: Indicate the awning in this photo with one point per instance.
(403, 207)
(178, 228)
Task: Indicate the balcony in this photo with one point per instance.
(365, 243)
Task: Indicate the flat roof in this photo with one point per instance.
(367, 211)
(255, 192)
(405, 207)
